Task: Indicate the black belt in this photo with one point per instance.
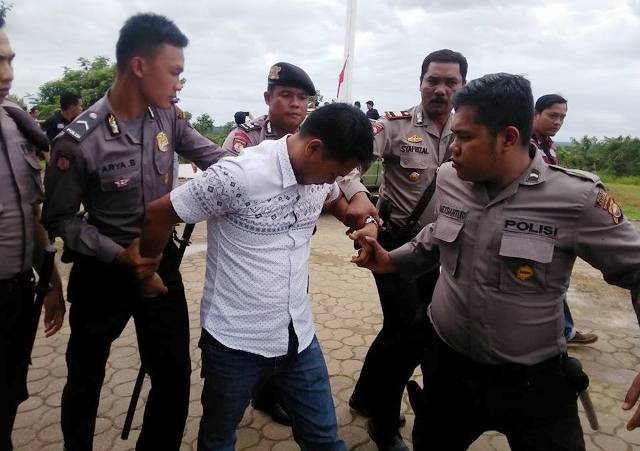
(494, 373)
(22, 277)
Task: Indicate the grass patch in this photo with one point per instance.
(628, 180)
(628, 197)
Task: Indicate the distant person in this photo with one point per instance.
(241, 117)
(357, 104)
(372, 113)
(550, 111)
(34, 113)
(70, 108)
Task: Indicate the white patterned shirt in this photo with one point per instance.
(259, 227)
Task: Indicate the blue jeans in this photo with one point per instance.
(569, 327)
(231, 378)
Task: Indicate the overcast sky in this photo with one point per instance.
(587, 50)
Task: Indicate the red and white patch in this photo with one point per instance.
(121, 183)
(377, 128)
(240, 141)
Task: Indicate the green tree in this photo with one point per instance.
(203, 124)
(611, 156)
(91, 81)
(316, 99)
(5, 7)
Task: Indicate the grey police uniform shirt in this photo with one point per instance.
(411, 148)
(20, 193)
(506, 262)
(253, 133)
(114, 174)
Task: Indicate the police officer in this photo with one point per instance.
(22, 240)
(114, 159)
(287, 96)
(550, 112)
(508, 229)
(70, 108)
(412, 144)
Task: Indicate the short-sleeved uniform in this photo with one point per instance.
(20, 195)
(114, 168)
(497, 308)
(411, 148)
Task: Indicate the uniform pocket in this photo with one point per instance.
(525, 262)
(414, 160)
(447, 231)
(163, 161)
(36, 194)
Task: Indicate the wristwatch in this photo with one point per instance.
(370, 219)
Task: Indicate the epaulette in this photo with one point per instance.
(82, 125)
(249, 127)
(393, 115)
(577, 173)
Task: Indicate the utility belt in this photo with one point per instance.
(398, 234)
(17, 280)
(505, 373)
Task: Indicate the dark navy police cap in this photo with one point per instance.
(286, 74)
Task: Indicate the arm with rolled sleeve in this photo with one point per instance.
(195, 147)
(65, 189)
(613, 248)
(418, 256)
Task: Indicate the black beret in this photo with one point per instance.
(285, 74)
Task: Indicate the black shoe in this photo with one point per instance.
(273, 409)
(360, 408)
(393, 443)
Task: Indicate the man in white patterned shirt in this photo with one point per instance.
(261, 208)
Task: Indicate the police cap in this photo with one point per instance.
(285, 74)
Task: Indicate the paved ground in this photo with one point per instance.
(347, 315)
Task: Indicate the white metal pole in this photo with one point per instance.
(349, 45)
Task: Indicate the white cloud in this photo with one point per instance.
(585, 49)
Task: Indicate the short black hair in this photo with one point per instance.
(240, 117)
(547, 101)
(357, 103)
(69, 99)
(500, 100)
(370, 102)
(142, 34)
(445, 56)
(344, 130)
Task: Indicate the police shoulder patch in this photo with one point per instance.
(576, 173)
(606, 202)
(394, 115)
(181, 114)
(377, 128)
(82, 126)
(249, 127)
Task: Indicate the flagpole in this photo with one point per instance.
(344, 83)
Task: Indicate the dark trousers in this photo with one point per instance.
(534, 406)
(397, 350)
(103, 298)
(16, 309)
